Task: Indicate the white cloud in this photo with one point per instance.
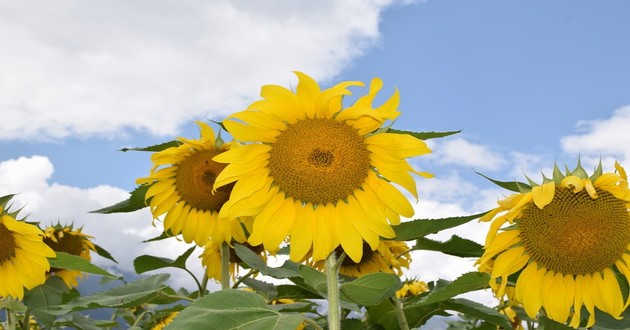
(105, 68)
(461, 152)
(121, 234)
(602, 137)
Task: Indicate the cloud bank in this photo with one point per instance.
(107, 68)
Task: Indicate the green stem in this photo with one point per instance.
(194, 278)
(204, 284)
(400, 313)
(332, 279)
(225, 266)
(242, 278)
(312, 323)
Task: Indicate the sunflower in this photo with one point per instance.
(412, 287)
(318, 172)
(566, 242)
(166, 320)
(181, 182)
(73, 241)
(211, 255)
(390, 257)
(23, 257)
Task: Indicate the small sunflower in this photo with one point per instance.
(181, 181)
(390, 257)
(211, 255)
(318, 172)
(412, 287)
(166, 320)
(23, 257)
(567, 240)
(73, 241)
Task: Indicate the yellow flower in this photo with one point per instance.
(390, 257)
(318, 172)
(165, 321)
(412, 287)
(23, 257)
(211, 255)
(181, 181)
(66, 239)
(565, 240)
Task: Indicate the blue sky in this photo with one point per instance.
(528, 82)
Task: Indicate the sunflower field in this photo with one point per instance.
(327, 189)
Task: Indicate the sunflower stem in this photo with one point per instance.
(204, 284)
(400, 313)
(332, 280)
(225, 266)
(312, 323)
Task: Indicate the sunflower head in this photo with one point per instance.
(66, 238)
(412, 287)
(23, 254)
(564, 244)
(390, 257)
(181, 189)
(165, 320)
(317, 172)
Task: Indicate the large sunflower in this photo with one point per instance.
(318, 172)
(390, 257)
(73, 241)
(181, 181)
(23, 257)
(567, 240)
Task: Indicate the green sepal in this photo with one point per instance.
(545, 178)
(515, 186)
(579, 171)
(557, 174)
(424, 135)
(532, 183)
(597, 172)
(135, 202)
(164, 235)
(155, 148)
(4, 200)
(220, 123)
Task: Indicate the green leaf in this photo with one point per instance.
(68, 261)
(455, 246)
(424, 135)
(254, 261)
(13, 305)
(103, 253)
(233, 309)
(415, 229)
(384, 315)
(371, 289)
(549, 324)
(265, 289)
(78, 321)
(294, 292)
(314, 279)
(145, 263)
(163, 235)
(41, 297)
(132, 294)
(478, 311)
(515, 186)
(135, 202)
(155, 148)
(445, 290)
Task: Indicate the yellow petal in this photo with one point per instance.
(325, 237)
(543, 195)
(350, 240)
(529, 289)
(302, 233)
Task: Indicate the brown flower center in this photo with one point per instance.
(195, 178)
(576, 234)
(71, 244)
(319, 161)
(7, 244)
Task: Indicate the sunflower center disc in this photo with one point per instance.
(71, 244)
(7, 244)
(576, 234)
(348, 262)
(319, 161)
(195, 178)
